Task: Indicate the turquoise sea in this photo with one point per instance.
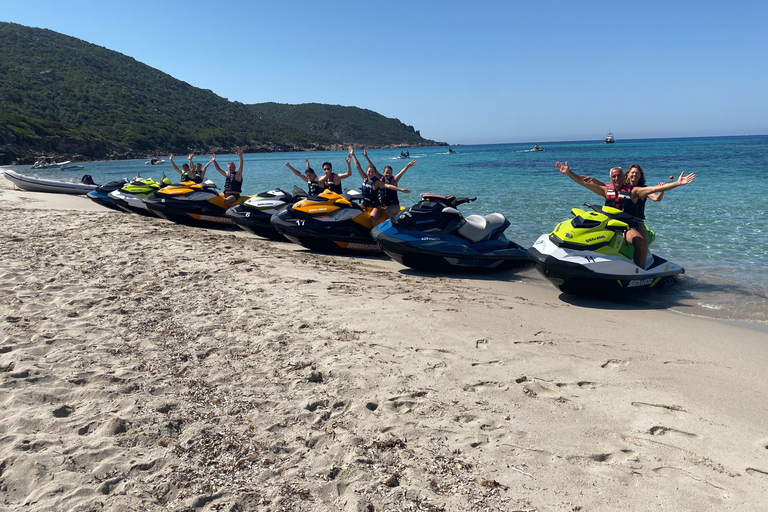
(716, 227)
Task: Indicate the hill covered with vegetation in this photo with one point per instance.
(62, 96)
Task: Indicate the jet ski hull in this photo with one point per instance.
(425, 251)
(590, 273)
(255, 214)
(131, 203)
(195, 207)
(254, 221)
(317, 235)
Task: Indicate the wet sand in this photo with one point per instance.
(150, 366)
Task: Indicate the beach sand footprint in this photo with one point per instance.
(534, 389)
(660, 430)
(615, 363)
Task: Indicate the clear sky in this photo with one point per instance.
(461, 72)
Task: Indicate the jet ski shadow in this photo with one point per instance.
(505, 275)
(650, 299)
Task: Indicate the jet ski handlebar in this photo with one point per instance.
(451, 201)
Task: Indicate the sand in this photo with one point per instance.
(146, 365)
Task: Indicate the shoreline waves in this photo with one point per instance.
(152, 366)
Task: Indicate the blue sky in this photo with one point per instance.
(460, 72)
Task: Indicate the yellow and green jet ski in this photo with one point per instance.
(588, 255)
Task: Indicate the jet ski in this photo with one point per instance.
(196, 204)
(100, 195)
(254, 215)
(329, 222)
(589, 256)
(433, 235)
(131, 196)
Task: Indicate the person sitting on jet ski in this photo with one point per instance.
(184, 171)
(333, 181)
(197, 171)
(233, 184)
(310, 177)
(374, 188)
(389, 199)
(621, 194)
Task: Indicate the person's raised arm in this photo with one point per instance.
(375, 171)
(170, 159)
(349, 169)
(239, 173)
(643, 192)
(357, 162)
(202, 175)
(191, 163)
(297, 173)
(216, 165)
(565, 169)
(400, 174)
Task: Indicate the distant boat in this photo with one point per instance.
(48, 162)
(537, 148)
(609, 138)
(154, 161)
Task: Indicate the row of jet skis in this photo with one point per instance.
(585, 255)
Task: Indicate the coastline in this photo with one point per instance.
(153, 366)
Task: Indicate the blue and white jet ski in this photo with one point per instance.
(434, 235)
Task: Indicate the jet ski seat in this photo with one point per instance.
(476, 228)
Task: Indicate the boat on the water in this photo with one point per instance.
(60, 186)
(154, 161)
(48, 162)
(609, 138)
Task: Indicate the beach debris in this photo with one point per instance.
(63, 411)
(315, 377)
(371, 406)
(492, 484)
(393, 480)
(522, 379)
(7, 367)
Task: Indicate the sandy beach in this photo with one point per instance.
(146, 365)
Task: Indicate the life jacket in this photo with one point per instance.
(330, 185)
(370, 194)
(232, 185)
(388, 196)
(313, 188)
(618, 199)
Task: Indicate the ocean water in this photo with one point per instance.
(716, 227)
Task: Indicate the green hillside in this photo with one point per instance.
(63, 96)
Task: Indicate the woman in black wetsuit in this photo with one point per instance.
(389, 199)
